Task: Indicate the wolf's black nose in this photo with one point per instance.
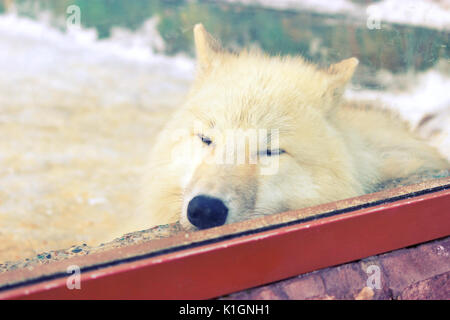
(206, 212)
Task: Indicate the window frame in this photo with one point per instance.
(215, 262)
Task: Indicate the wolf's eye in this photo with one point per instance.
(275, 152)
(205, 139)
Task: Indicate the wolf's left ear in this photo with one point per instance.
(206, 47)
(339, 75)
(344, 70)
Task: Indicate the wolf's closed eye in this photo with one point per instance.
(270, 153)
(205, 139)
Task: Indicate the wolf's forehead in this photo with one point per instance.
(228, 118)
(243, 106)
(245, 114)
(254, 93)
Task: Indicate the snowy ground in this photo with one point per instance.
(425, 13)
(78, 115)
(421, 99)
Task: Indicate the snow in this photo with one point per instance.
(425, 13)
(426, 95)
(35, 56)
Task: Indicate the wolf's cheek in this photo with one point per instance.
(186, 155)
(269, 165)
(291, 186)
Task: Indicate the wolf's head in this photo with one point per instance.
(259, 137)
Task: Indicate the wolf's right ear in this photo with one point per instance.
(206, 47)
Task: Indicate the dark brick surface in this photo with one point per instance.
(344, 281)
(436, 288)
(419, 272)
(266, 293)
(406, 266)
(305, 287)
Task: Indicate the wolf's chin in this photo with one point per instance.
(187, 226)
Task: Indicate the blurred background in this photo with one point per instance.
(85, 86)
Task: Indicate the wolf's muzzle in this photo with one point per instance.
(206, 212)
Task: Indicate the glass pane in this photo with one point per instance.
(87, 86)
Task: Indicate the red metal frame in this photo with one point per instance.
(227, 266)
